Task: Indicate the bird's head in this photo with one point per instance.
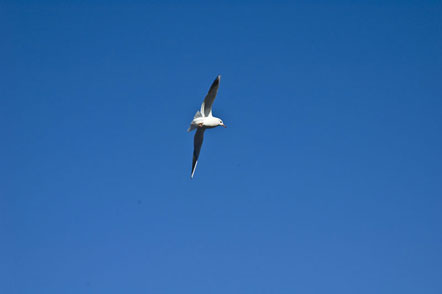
(222, 124)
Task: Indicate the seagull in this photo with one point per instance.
(203, 120)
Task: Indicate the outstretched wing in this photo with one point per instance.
(197, 143)
(206, 107)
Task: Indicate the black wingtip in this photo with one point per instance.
(194, 163)
(216, 81)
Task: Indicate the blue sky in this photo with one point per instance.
(328, 178)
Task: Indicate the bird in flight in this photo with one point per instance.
(203, 120)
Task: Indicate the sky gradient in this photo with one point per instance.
(328, 178)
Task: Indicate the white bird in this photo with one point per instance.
(203, 120)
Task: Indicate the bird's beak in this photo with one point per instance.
(224, 125)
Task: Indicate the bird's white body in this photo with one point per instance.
(206, 122)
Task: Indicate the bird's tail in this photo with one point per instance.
(192, 126)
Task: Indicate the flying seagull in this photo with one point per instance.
(203, 120)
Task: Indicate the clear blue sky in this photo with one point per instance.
(328, 178)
